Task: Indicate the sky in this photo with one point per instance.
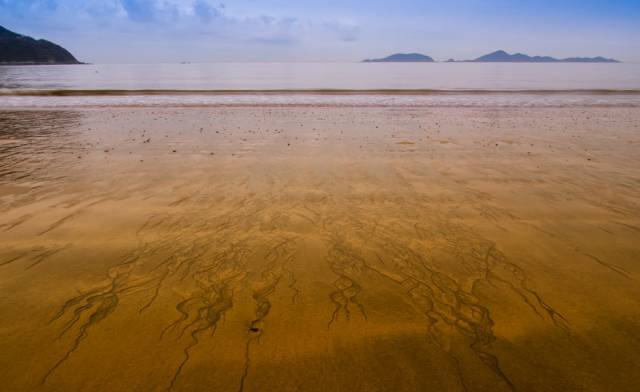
(157, 31)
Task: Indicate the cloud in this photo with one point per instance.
(25, 7)
(344, 31)
(271, 30)
(139, 10)
(115, 30)
(205, 11)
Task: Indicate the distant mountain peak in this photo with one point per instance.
(402, 58)
(4, 33)
(21, 49)
(502, 56)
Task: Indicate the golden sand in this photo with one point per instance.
(320, 249)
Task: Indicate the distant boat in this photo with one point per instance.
(402, 58)
(17, 49)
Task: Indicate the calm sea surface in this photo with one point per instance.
(537, 84)
(266, 76)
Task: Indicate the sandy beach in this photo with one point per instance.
(308, 248)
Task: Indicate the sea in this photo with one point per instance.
(403, 84)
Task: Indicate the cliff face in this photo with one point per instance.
(20, 49)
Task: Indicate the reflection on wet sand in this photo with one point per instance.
(320, 249)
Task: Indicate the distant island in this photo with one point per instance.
(500, 56)
(402, 58)
(17, 49)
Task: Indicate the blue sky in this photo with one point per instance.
(329, 30)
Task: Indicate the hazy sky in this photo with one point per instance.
(329, 30)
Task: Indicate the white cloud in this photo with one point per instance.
(344, 31)
(161, 30)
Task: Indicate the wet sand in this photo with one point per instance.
(320, 249)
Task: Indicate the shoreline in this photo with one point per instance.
(312, 91)
(70, 99)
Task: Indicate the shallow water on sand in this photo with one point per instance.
(394, 99)
(302, 248)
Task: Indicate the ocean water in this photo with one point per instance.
(267, 76)
(316, 83)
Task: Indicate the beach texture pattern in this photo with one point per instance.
(307, 248)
